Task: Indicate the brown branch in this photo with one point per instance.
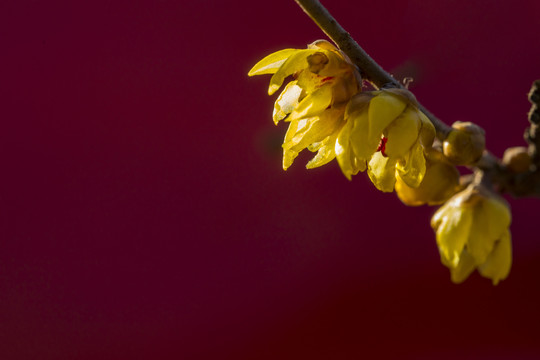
(519, 185)
(369, 69)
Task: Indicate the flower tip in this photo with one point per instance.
(272, 89)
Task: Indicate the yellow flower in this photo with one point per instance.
(440, 182)
(314, 102)
(472, 231)
(386, 133)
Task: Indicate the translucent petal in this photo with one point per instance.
(313, 103)
(271, 63)
(295, 62)
(359, 141)
(322, 44)
(440, 182)
(498, 264)
(318, 128)
(383, 109)
(402, 133)
(382, 172)
(343, 151)
(288, 155)
(463, 269)
(413, 168)
(326, 152)
(453, 233)
(287, 101)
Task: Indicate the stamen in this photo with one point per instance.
(382, 146)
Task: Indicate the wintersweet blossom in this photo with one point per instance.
(314, 102)
(386, 133)
(472, 231)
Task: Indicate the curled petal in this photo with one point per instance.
(322, 44)
(271, 63)
(289, 155)
(326, 152)
(294, 63)
(413, 167)
(348, 162)
(313, 103)
(382, 172)
(287, 101)
(402, 133)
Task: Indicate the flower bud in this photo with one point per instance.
(440, 182)
(517, 159)
(464, 144)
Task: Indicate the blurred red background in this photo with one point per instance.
(144, 213)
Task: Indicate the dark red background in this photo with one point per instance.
(144, 213)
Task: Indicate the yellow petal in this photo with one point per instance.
(402, 133)
(287, 101)
(357, 114)
(382, 172)
(498, 264)
(326, 152)
(288, 155)
(440, 182)
(413, 168)
(322, 44)
(318, 128)
(313, 103)
(383, 109)
(481, 242)
(463, 269)
(271, 63)
(427, 131)
(349, 164)
(296, 62)
(453, 232)
(499, 215)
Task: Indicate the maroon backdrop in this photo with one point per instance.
(144, 213)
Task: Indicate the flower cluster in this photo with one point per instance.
(384, 133)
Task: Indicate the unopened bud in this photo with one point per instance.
(517, 159)
(464, 144)
(440, 183)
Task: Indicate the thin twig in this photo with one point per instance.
(369, 69)
(523, 184)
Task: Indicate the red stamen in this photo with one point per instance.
(382, 146)
(328, 78)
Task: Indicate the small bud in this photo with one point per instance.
(534, 94)
(517, 159)
(534, 115)
(464, 144)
